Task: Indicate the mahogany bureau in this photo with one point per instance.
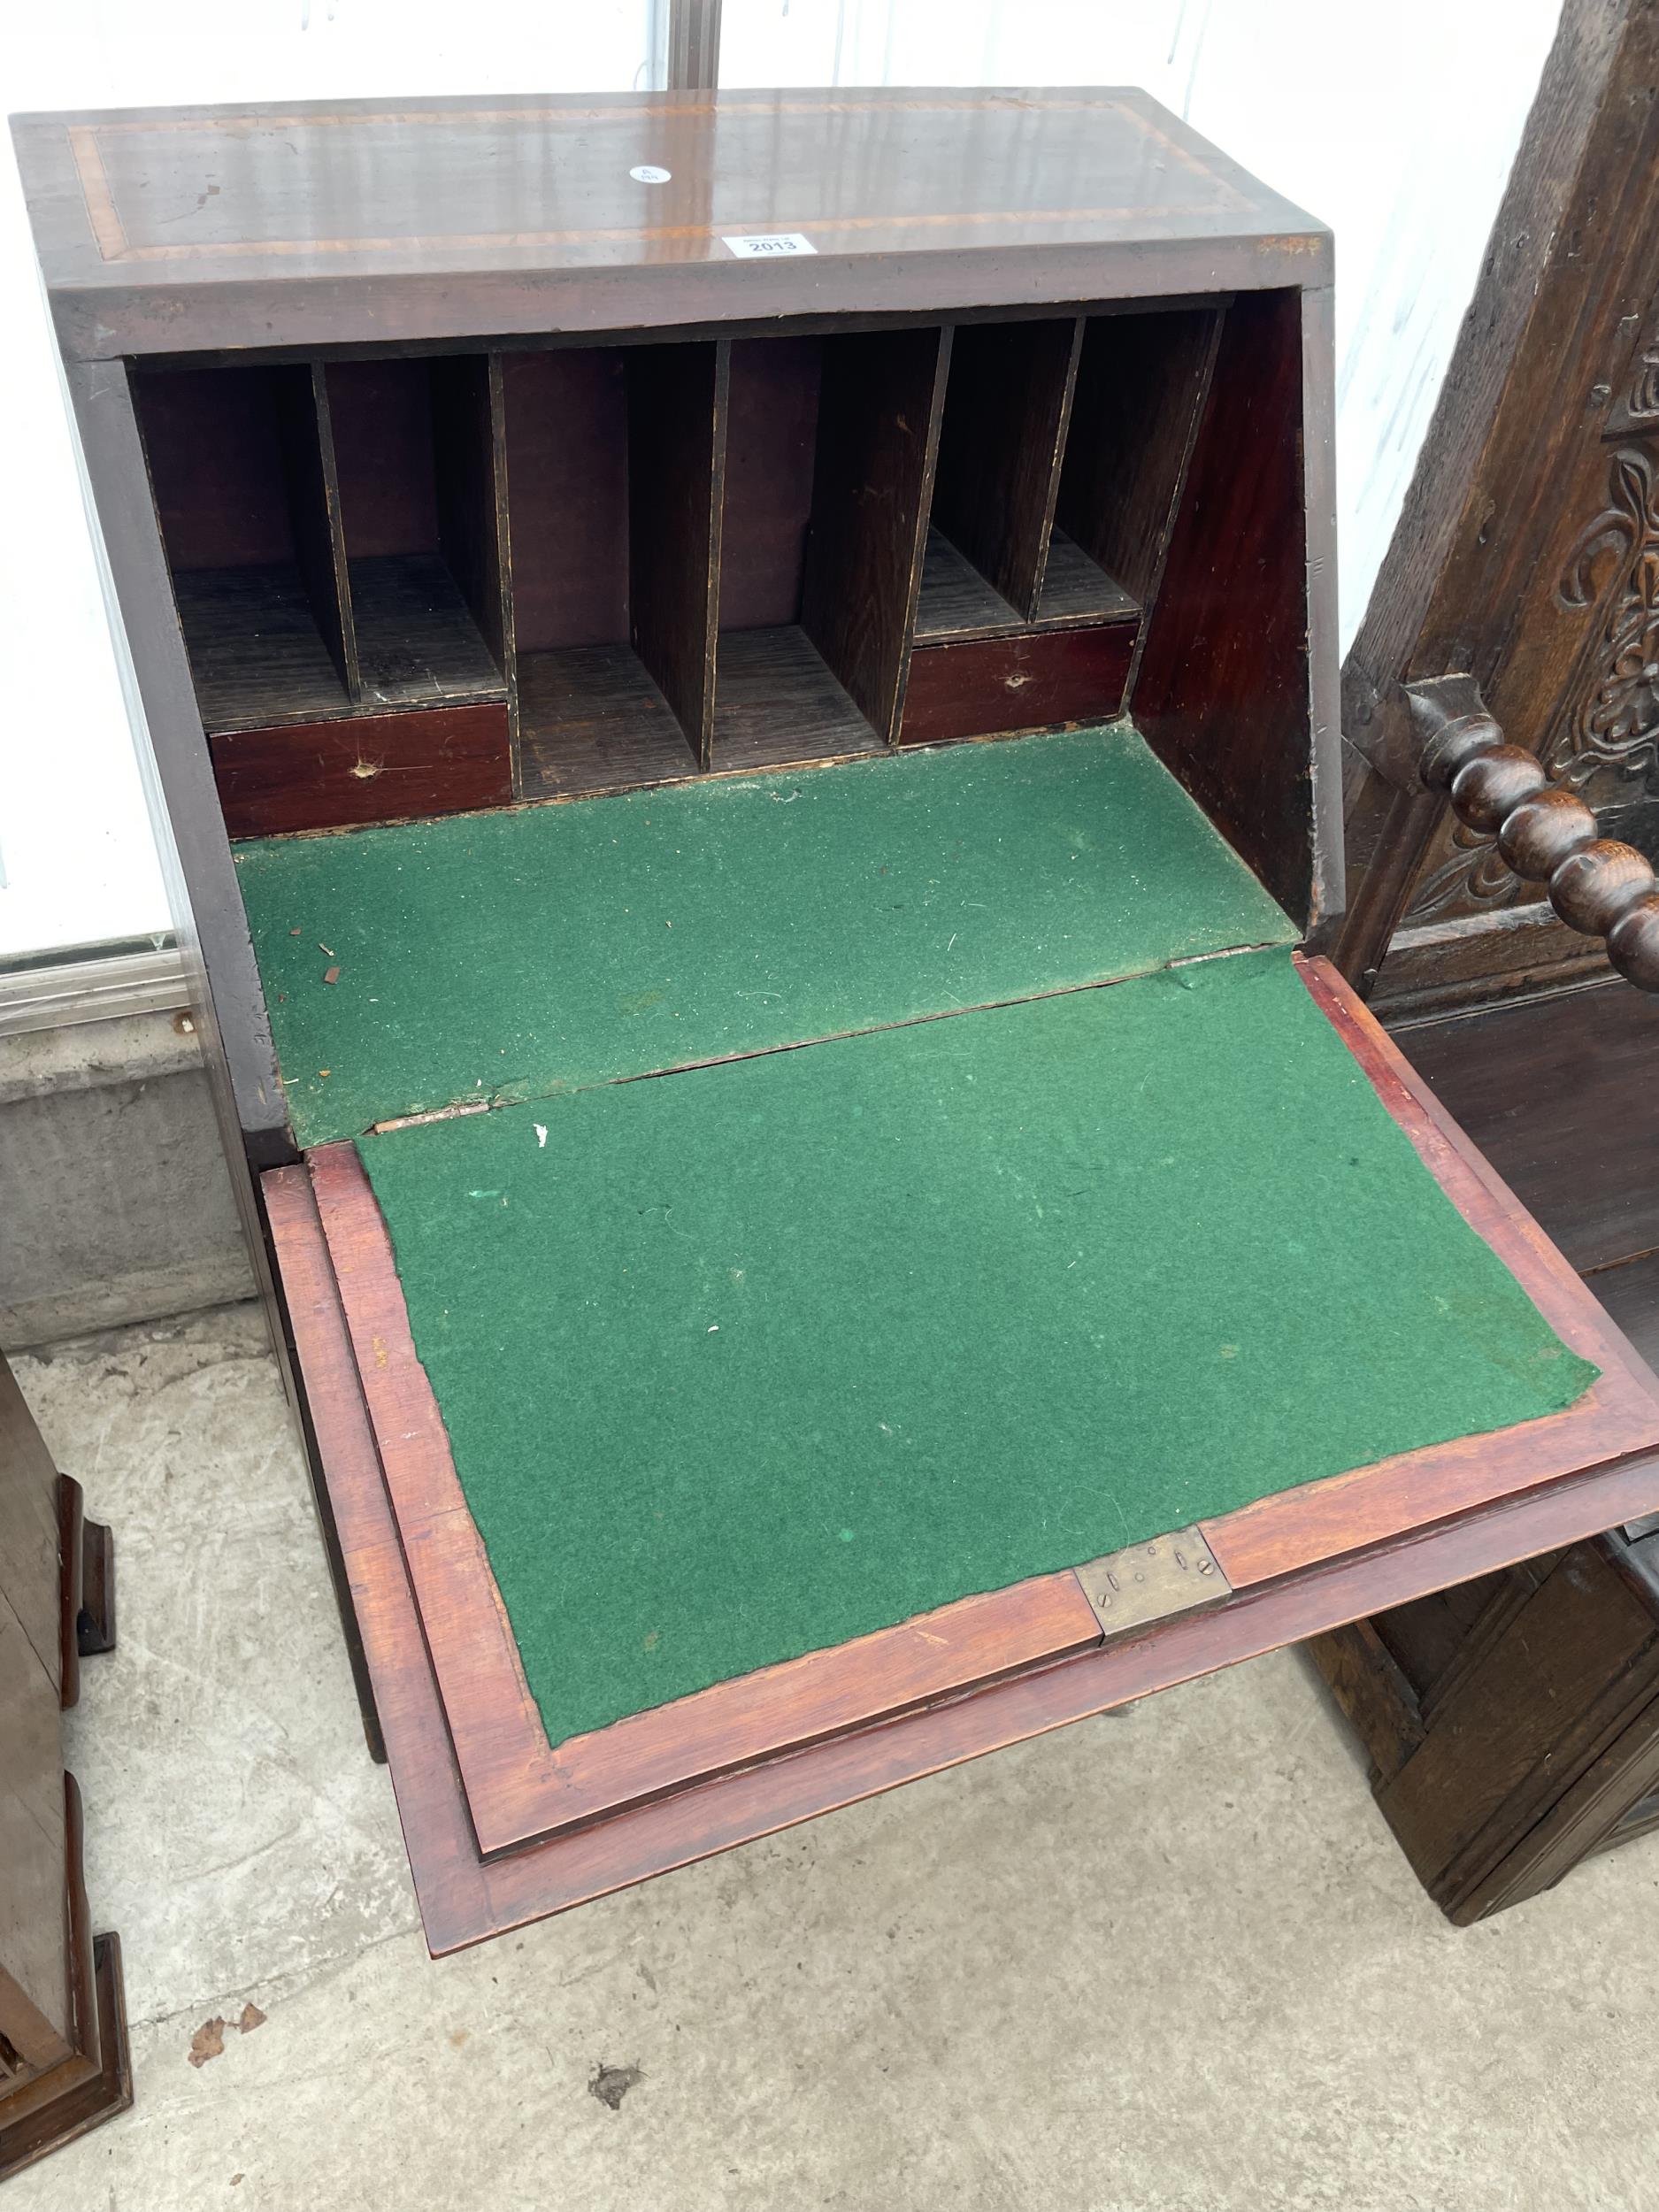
(740, 697)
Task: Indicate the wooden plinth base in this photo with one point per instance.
(94, 2079)
(86, 2088)
(93, 2085)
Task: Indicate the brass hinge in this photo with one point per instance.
(1146, 1582)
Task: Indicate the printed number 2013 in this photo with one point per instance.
(769, 245)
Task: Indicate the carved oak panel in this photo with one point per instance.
(1579, 683)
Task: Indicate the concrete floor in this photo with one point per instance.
(1164, 1962)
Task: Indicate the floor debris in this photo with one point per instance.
(611, 2084)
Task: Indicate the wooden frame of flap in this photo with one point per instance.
(501, 1828)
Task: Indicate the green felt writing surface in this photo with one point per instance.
(510, 954)
(743, 1362)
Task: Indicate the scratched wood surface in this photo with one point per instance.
(367, 768)
(457, 216)
(1028, 682)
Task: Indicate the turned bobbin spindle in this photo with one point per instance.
(1548, 834)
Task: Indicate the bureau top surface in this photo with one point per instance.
(163, 230)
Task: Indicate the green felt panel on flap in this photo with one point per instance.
(510, 954)
(745, 1361)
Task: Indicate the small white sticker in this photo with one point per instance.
(646, 175)
(769, 245)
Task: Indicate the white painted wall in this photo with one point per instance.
(1348, 111)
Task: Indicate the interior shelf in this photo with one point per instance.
(1060, 455)
(957, 602)
(778, 703)
(1008, 408)
(590, 718)
(243, 480)
(825, 465)
(668, 558)
(421, 519)
(257, 657)
(1077, 590)
(418, 644)
(1141, 383)
(320, 576)
(612, 462)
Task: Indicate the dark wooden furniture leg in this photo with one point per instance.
(86, 1590)
(95, 1618)
(1513, 1722)
(44, 2106)
(64, 2062)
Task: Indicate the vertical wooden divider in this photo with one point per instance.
(1235, 574)
(509, 633)
(1000, 446)
(878, 448)
(677, 414)
(306, 431)
(469, 441)
(1141, 385)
